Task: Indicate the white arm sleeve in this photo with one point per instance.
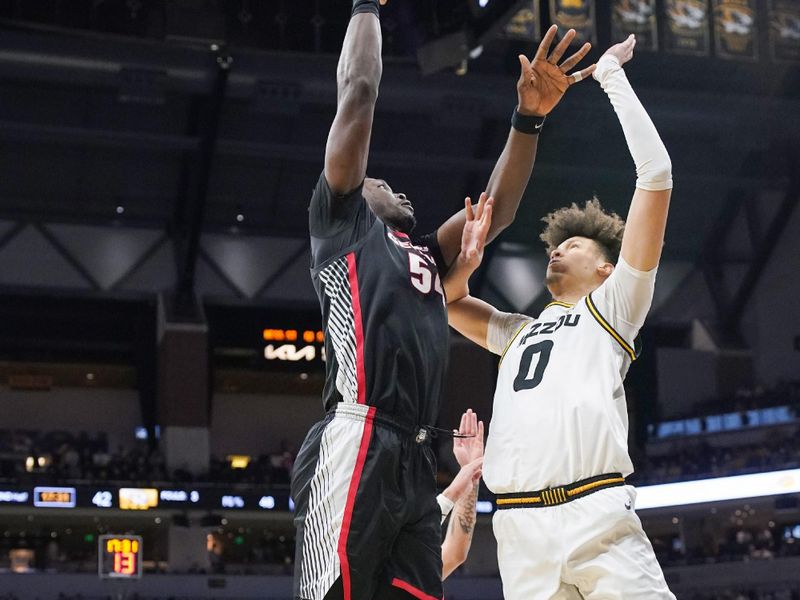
(502, 329)
(625, 298)
(445, 505)
(653, 166)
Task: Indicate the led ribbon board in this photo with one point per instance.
(718, 489)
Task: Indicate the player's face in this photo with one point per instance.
(577, 263)
(393, 209)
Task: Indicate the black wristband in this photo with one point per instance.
(527, 123)
(370, 6)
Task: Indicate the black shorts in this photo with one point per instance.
(365, 509)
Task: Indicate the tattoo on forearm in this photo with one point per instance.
(466, 512)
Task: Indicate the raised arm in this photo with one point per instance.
(542, 84)
(358, 78)
(647, 216)
(464, 493)
(468, 315)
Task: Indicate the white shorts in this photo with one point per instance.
(592, 548)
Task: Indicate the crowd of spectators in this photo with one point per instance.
(699, 460)
(56, 457)
(63, 456)
(738, 544)
(748, 398)
(53, 457)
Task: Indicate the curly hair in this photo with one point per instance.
(591, 222)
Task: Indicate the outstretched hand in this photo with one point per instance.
(476, 229)
(543, 82)
(624, 50)
(469, 449)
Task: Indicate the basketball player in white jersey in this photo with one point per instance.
(556, 455)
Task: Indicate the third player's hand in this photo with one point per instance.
(543, 82)
(468, 449)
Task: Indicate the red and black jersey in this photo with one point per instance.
(383, 309)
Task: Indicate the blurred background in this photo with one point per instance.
(160, 343)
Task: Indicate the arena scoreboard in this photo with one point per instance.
(287, 340)
(119, 556)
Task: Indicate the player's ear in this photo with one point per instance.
(605, 269)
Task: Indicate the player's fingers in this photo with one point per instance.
(581, 75)
(544, 46)
(487, 214)
(468, 425)
(480, 430)
(479, 210)
(468, 209)
(481, 206)
(575, 58)
(525, 64)
(462, 426)
(562, 46)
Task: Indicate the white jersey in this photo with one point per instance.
(559, 407)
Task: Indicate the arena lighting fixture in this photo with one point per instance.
(718, 489)
(239, 461)
(479, 6)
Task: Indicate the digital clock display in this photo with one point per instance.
(54, 497)
(120, 556)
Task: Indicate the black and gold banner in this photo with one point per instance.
(735, 29)
(525, 26)
(784, 30)
(687, 27)
(577, 15)
(637, 17)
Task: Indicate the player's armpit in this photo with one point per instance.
(470, 317)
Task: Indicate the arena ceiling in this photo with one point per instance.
(136, 157)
